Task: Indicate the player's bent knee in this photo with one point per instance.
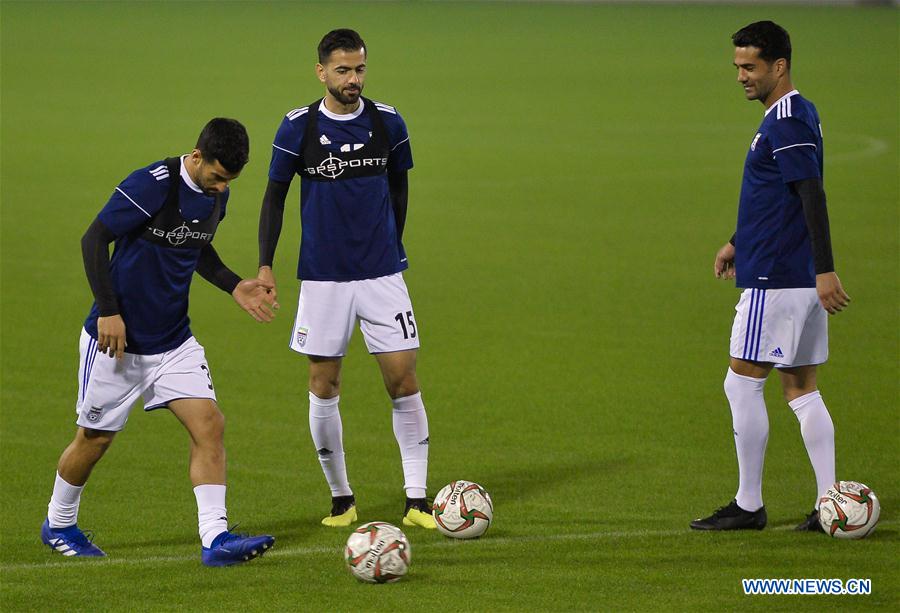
(407, 386)
(97, 440)
(325, 387)
(212, 426)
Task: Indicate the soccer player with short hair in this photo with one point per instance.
(781, 257)
(352, 155)
(162, 218)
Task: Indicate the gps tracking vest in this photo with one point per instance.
(169, 229)
(320, 164)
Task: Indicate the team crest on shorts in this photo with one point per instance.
(301, 336)
(94, 414)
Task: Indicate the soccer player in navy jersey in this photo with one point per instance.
(781, 257)
(136, 341)
(352, 155)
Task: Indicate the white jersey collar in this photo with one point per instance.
(187, 178)
(787, 95)
(346, 117)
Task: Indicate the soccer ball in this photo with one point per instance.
(463, 510)
(849, 510)
(378, 552)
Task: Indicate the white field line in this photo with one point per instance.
(296, 552)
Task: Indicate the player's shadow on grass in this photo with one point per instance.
(556, 485)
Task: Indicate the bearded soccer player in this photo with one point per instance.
(781, 257)
(137, 342)
(352, 155)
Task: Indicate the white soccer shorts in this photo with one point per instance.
(108, 388)
(787, 327)
(327, 311)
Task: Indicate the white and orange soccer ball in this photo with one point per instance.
(378, 552)
(463, 510)
(849, 510)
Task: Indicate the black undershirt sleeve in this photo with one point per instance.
(398, 184)
(812, 195)
(95, 253)
(270, 219)
(211, 268)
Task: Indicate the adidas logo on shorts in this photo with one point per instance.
(777, 353)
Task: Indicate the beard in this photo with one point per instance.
(344, 98)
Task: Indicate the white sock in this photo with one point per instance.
(411, 432)
(751, 433)
(62, 511)
(211, 516)
(817, 431)
(327, 434)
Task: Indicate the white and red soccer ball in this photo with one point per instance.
(849, 510)
(378, 552)
(463, 510)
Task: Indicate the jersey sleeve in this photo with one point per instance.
(794, 149)
(136, 199)
(286, 149)
(400, 157)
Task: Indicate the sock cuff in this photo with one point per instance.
(409, 403)
(736, 377)
(210, 493)
(66, 485)
(802, 401)
(323, 403)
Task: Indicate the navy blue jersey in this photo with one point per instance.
(151, 282)
(772, 247)
(348, 227)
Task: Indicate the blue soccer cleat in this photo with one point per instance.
(229, 548)
(70, 541)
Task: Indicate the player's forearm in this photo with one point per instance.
(270, 219)
(211, 268)
(812, 195)
(95, 253)
(398, 185)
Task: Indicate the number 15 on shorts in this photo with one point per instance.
(407, 324)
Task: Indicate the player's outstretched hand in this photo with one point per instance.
(724, 266)
(265, 274)
(831, 292)
(256, 297)
(111, 336)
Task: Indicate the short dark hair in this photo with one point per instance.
(342, 38)
(225, 140)
(770, 38)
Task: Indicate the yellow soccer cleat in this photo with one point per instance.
(418, 513)
(343, 512)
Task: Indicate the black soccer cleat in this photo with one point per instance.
(418, 513)
(732, 517)
(419, 504)
(811, 523)
(343, 512)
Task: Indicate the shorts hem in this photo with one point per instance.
(317, 355)
(91, 427)
(416, 348)
(800, 365)
(161, 405)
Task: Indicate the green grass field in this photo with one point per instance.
(577, 166)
